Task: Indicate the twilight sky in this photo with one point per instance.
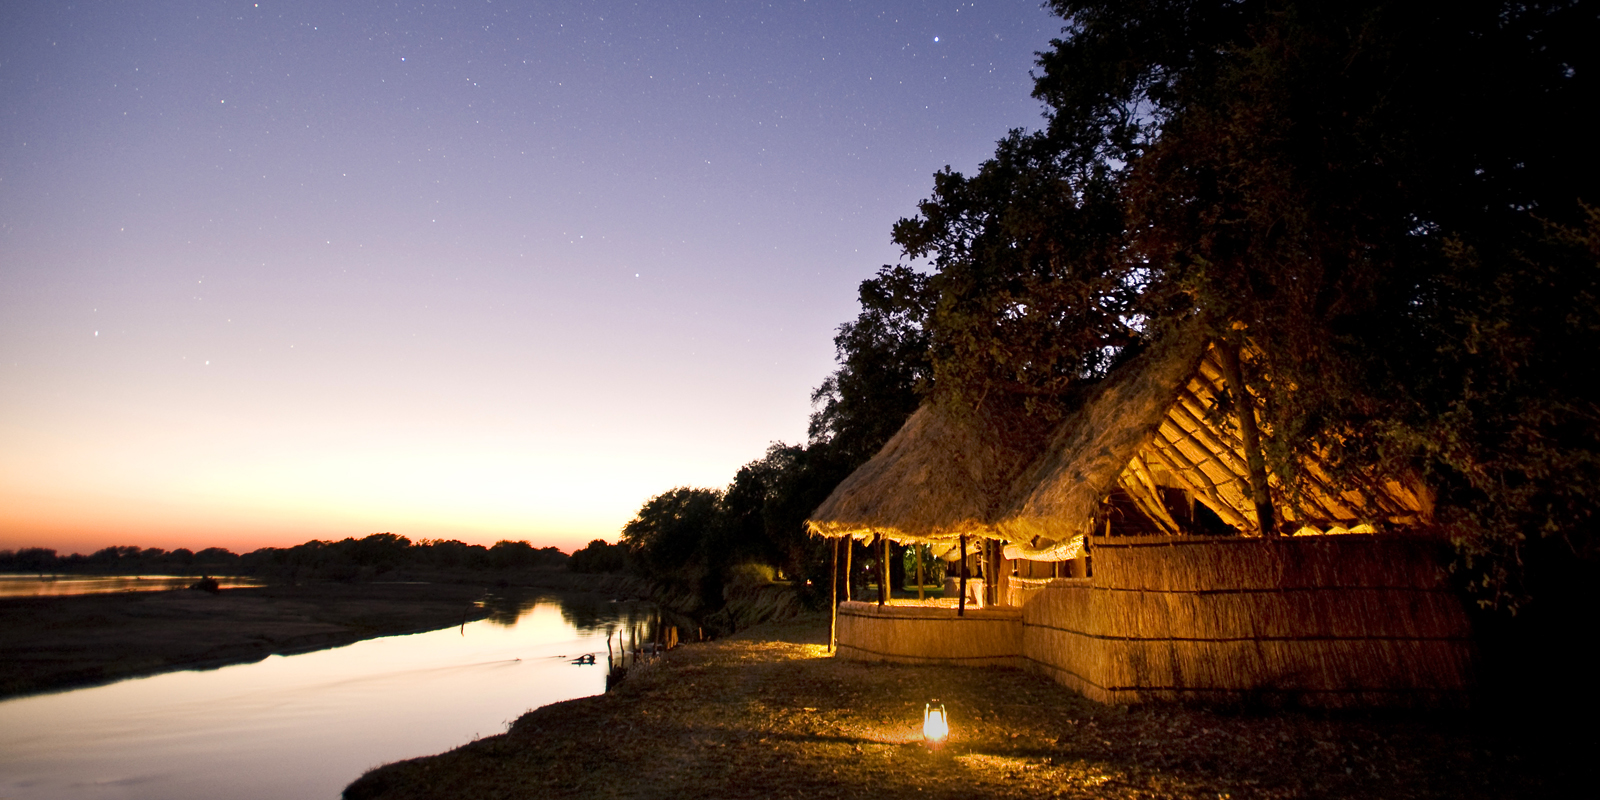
(289, 270)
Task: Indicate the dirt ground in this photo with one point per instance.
(50, 643)
(770, 714)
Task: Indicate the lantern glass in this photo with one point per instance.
(935, 726)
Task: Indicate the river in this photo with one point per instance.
(305, 726)
(63, 585)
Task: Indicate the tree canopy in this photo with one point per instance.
(1385, 199)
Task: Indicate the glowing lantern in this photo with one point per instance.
(935, 725)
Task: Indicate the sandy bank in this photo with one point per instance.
(49, 643)
(768, 714)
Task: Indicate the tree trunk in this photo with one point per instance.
(1244, 408)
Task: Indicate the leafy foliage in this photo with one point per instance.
(598, 556)
(695, 539)
(883, 367)
(1510, 421)
(670, 538)
(1032, 293)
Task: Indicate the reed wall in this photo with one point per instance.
(931, 635)
(1327, 621)
(1020, 590)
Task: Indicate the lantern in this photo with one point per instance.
(935, 725)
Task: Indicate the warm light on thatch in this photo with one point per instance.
(935, 726)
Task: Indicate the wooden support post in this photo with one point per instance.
(990, 579)
(833, 599)
(883, 569)
(997, 557)
(961, 603)
(983, 572)
(920, 598)
(1244, 408)
(999, 567)
(849, 551)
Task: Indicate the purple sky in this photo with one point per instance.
(288, 270)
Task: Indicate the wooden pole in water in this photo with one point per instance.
(961, 604)
(833, 600)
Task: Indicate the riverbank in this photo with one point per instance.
(768, 713)
(54, 643)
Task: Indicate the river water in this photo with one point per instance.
(305, 726)
(58, 585)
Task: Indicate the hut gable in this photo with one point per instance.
(1200, 451)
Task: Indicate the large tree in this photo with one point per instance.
(1032, 292)
(883, 368)
(670, 540)
(1384, 199)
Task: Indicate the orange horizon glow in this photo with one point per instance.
(86, 536)
(67, 540)
(123, 472)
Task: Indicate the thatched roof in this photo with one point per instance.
(945, 474)
(1153, 425)
(1089, 451)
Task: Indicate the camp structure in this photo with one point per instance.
(1125, 553)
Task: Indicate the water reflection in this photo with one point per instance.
(609, 616)
(587, 613)
(63, 585)
(307, 725)
(505, 609)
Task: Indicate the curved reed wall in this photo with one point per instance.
(1328, 621)
(931, 635)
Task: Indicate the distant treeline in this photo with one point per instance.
(349, 559)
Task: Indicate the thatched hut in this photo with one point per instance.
(1177, 590)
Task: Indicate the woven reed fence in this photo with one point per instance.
(930, 635)
(1328, 621)
(1020, 590)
